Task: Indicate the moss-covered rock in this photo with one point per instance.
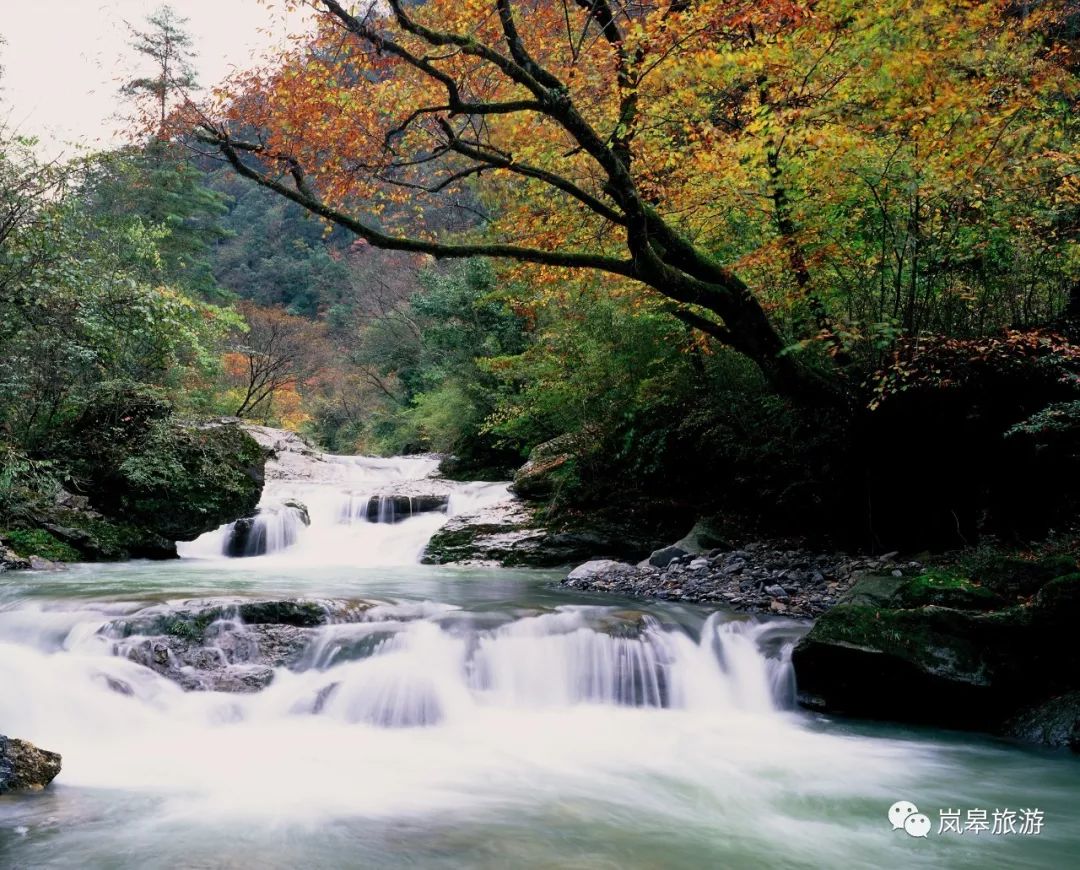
(184, 480)
(551, 466)
(941, 648)
(39, 542)
(947, 589)
(10, 560)
(1014, 577)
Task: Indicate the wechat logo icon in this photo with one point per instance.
(905, 815)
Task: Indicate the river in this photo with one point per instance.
(466, 717)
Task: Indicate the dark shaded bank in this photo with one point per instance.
(951, 442)
(126, 479)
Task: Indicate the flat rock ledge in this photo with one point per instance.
(24, 767)
(760, 577)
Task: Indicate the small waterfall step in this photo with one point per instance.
(273, 528)
(395, 508)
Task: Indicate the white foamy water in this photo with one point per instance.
(460, 718)
(345, 527)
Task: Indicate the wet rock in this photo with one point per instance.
(39, 564)
(600, 568)
(298, 613)
(121, 687)
(664, 557)
(941, 649)
(12, 561)
(226, 646)
(300, 508)
(250, 536)
(239, 542)
(511, 534)
(24, 766)
(1055, 723)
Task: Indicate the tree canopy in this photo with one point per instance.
(735, 158)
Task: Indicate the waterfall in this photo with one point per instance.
(346, 510)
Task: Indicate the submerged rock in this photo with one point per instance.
(945, 650)
(226, 646)
(24, 766)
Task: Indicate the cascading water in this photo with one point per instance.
(332, 703)
(329, 520)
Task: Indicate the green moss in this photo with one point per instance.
(192, 630)
(454, 545)
(1013, 576)
(961, 645)
(189, 479)
(945, 588)
(38, 542)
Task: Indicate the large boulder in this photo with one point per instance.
(946, 650)
(24, 766)
(596, 568)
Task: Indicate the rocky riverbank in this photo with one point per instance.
(759, 577)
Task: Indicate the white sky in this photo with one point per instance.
(64, 60)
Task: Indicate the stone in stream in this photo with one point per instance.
(24, 766)
(225, 646)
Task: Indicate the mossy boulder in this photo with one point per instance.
(183, 480)
(551, 465)
(135, 479)
(941, 648)
(26, 543)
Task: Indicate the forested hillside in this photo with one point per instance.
(846, 310)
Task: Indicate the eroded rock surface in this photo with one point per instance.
(25, 767)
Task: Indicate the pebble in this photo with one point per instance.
(762, 577)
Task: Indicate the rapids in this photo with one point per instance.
(463, 717)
